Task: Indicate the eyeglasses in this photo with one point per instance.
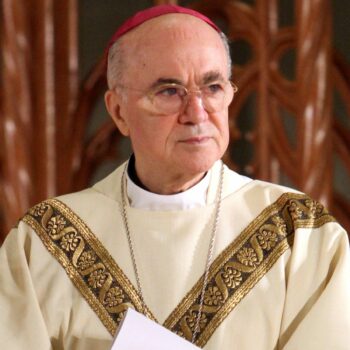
(172, 98)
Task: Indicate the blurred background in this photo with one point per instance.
(289, 122)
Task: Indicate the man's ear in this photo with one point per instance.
(113, 101)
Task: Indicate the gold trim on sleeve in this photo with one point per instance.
(244, 262)
(87, 263)
(232, 275)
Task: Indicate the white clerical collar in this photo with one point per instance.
(192, 198)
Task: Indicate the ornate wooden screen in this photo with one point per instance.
(283, 128)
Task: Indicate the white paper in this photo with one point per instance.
(138, 332)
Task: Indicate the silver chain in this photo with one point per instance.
(127, 229)
(210, 254)
(210, 251)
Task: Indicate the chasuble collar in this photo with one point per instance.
(110, 186)
(194, 197)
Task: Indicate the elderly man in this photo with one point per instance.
(219, 259)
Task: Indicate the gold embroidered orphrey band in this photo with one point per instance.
(232, 275)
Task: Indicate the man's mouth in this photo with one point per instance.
(196, 140)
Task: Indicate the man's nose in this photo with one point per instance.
(193, 111)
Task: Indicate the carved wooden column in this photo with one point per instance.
(16, 183)
(314, 91)
(66, 90)
(39, 80)
(267, 13)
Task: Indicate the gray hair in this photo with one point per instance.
(115, 64)
(116, 61)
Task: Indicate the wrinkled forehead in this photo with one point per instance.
(168, 34)
(173, 46)
(164, 43)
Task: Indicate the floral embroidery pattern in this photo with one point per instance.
(56, 225)
(38, 210)
(248, 257)
(295, 210)
(267, 239)
(213, 296)
(69, 241)
(114, 297)
(280, 225)
(86, 260)
(232, 275)
(97, 278)
(192, 319)
(314, 207)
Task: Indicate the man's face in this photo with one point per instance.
(182, 49)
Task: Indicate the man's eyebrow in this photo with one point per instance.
(212, 76)
(207, 78)
(162, 81)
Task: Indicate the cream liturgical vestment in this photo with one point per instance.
(279, 279)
